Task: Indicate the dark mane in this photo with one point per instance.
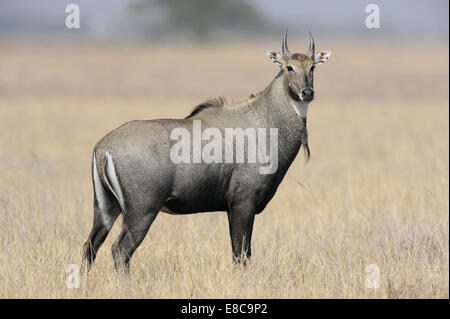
(214, 102)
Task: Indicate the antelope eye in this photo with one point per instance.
(290, 68)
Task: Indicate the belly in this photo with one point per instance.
(200, 204)
(166, 210)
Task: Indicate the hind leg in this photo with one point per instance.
(98, 234)
(106, 210)
(134, 229)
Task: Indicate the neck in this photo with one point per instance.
(287, 114)
(286, 101)
(300, 107)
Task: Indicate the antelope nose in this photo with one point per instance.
(307, 94)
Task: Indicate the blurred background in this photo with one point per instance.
(202, 20)
(374, 192)
(137, 42)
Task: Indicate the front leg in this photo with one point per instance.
(240, 218)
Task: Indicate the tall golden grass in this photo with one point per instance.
(376, 190)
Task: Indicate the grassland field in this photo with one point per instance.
(375, 191)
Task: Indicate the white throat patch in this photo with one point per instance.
(301, 108)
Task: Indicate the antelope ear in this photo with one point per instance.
(275, 57)
(322, 57)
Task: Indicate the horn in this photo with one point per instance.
(312, 46)
(284, 46)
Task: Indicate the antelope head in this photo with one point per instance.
(298, 68)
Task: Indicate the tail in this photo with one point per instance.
(112, 181)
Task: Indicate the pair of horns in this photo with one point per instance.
(285, 50)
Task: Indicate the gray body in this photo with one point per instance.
(134, 175)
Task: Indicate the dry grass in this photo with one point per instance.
(376, 190)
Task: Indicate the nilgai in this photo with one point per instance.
(135, 173)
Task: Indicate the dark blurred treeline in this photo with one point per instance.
(200, 19)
